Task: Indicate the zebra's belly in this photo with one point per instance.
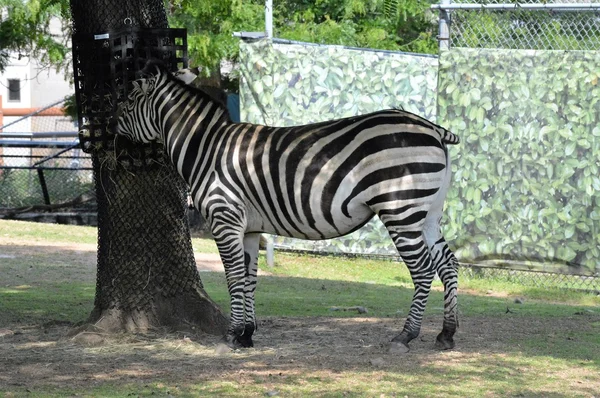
(315, 229)
(328, 232)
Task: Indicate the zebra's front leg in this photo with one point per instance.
(251, 246)
(415, 254)
(229, 240)
(235, 273)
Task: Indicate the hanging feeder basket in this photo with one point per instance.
(104, 66)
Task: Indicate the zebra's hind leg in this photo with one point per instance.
(445, 264)
(446, 268)
(413, 250)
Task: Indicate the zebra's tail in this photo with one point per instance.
(448, 137)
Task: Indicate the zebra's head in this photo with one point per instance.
(138, 116)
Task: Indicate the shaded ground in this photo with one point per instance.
(290, 353)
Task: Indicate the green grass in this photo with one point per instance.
(380, 274)
(39, 232)
(67, 302)
(276, 296)
(389, 273)
(297, 296)
(322, 282)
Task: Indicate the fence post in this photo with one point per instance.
(269, 18)
(444, 27)
(44, 186)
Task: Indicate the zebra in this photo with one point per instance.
(316, 181)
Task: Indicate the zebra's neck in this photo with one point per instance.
(190, 118)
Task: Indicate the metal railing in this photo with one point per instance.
(42, 168)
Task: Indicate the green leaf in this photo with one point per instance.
(569, 231)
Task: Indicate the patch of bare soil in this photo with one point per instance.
(85, 252)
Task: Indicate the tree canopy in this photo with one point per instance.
(381, 24)
(25, 31)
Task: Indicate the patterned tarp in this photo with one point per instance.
(526, 185)
(293, 84)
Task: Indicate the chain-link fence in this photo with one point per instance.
(529, 24)
(532, 278)
(41, 163)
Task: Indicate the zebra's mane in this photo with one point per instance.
(155, 68)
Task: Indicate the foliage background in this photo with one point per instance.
(406, 25)
(526, 181)
(291, 84)
(25, 31)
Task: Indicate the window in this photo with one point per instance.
(14, 90)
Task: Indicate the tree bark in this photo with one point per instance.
(147, 275)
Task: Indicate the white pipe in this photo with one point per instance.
(269, 18)
(270, 252)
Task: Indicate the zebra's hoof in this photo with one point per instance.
(235, 342)
(397, 347)
(244, 341)
(444, 342)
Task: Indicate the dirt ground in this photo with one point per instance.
(42, 357)
(34, 357)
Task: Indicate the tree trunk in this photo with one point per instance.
(147, 275)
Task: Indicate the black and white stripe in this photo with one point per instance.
(315, 181)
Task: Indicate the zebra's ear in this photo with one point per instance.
(187, 75)
(146, 85)
(135, 86)
(153, 68)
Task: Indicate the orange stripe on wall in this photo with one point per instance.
(54, 111)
